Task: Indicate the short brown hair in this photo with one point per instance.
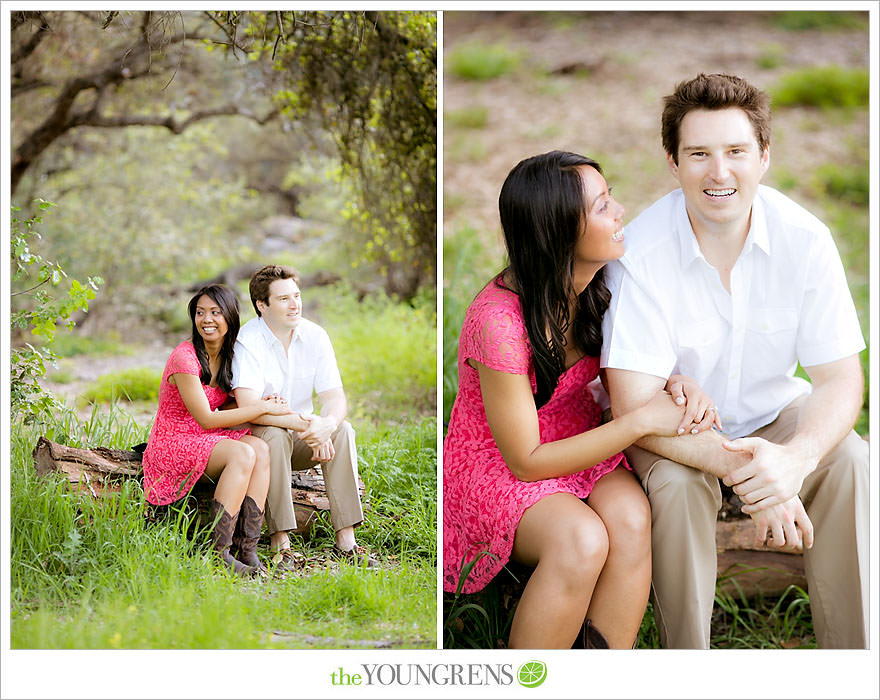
(714, 91)
(264, 277)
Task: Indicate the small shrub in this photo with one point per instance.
(771, 56)
(824, 86)
(475, 117)
(477, 61)
(136, 384)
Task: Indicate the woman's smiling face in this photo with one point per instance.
(601, 238)
(209, 320)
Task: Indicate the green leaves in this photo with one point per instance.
(47, 304)
(369, 80)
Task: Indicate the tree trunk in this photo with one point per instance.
(100, 471)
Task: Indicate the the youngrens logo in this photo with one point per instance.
(531, 674)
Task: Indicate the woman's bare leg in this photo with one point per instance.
(621, 594)
(231, 464)
(567, 544)
(258, 486)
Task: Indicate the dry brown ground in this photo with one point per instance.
(612, 112)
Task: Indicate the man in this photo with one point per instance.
(732, 283)
(282, 353)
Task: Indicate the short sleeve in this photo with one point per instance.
(183, 361)
(246, 370)
(326, 370)
(635, 332)
(829, 327)
(494, 334)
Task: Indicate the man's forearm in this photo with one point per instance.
(702, 451)
(629, 390)
(336, 408)
(291, 421)
(819, 429)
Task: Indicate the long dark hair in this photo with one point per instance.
(225, 298)
(543, 207)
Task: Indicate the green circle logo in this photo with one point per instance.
(532, 673)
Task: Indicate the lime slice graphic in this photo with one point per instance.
(532, 673)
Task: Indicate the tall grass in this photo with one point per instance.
(386, 351)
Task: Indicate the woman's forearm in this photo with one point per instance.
(563, 457)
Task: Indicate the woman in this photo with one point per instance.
(530, 473)
(192, 440)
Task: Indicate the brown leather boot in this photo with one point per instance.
(589, 638)
(221, 538)
(247, 534)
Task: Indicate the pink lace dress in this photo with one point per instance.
(482, 499)
(179, 448)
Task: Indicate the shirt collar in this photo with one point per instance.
(689, 249)
(758, 234)
(272, 338)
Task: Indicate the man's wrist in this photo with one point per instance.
(806, 453)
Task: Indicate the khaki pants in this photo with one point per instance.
(684, 508)
(286, 452)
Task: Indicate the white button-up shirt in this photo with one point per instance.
(789, 302)
(309, 365)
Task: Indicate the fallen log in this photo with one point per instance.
(747, 568)
(100, 471)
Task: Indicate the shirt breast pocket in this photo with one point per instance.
(302, 381)
(700, 345)
(773, 331)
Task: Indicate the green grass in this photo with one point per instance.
(824, 20)
(480, 62)
(135, 384)
(473, 117)
(90, 574)
(847, 184)
(386, 351)
(772, 56)
(827, 87)
(71, 344)
(99, 575)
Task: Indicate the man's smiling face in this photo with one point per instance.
(719, 168)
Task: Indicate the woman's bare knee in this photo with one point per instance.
(261, 453)
(243, 458)
(629, 524)
(579, 551)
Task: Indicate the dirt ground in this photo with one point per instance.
(593, 82)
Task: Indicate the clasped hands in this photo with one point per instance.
(767, 483)
(317, 433)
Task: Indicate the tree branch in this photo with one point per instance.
(134, 63)
(28, 48)
(176, 126)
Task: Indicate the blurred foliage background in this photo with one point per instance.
(517, 84)
(177, 145)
